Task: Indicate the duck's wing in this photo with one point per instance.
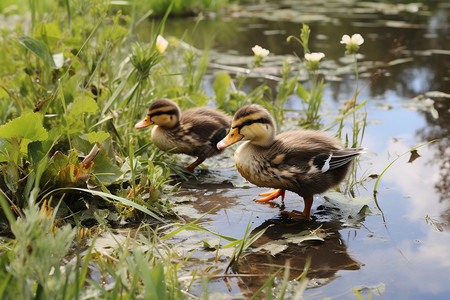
(336, 158)
(203, 128)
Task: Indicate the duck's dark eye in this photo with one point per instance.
(171, 117)
(232, 134)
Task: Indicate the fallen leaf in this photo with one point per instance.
(315, 237)
(273, 247)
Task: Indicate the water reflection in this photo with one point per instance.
(439, 129)
(326, 258)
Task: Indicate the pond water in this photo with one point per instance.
(401, 253)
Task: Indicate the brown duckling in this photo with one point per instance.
(194, 132)
(306, 162)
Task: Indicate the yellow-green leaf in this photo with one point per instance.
(97, 137)
(83, 104)
(27, 126)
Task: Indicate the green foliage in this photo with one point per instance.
(41, 50)
(179, 7)
(29, 263)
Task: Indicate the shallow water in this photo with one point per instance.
(402, 252)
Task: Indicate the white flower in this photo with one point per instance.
(313, 60)
(352, 43)
(314, 56)
(161, 44)
(356, 39)
(260, 51)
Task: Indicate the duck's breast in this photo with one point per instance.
(252, 165)
(163, 139)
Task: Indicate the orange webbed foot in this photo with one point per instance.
(272, 195)
(305, 214)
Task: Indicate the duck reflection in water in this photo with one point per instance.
(326, 257)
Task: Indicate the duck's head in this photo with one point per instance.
(250, 123)
(163, 112)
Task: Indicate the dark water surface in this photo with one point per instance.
(405, 60)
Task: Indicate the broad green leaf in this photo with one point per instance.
(27, 126)
(83, 104)
(221, 86)
(49, 33)
(105, 170)
(97, 137)
(39, 48)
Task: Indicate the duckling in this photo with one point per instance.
(306, 162)
(194, 132)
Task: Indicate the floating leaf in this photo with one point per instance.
(313, 237)
(351, 208)
(109, 243)
(301, 233)
(437, 94)
(211, 243)
(273, 247)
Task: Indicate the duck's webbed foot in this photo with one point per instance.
(305, 214)
(271, 195)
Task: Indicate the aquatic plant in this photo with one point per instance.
(260, 54)
(312, 96)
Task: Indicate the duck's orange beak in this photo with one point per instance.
(144, 123)
(232, 137)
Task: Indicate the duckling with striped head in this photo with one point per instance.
(194, 132)
(306, 162)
